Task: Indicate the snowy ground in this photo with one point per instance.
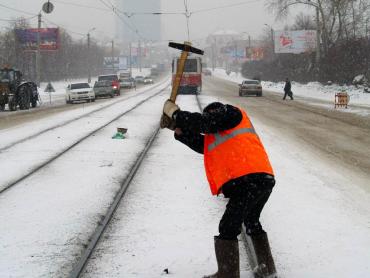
(313, 90)
(317, 217)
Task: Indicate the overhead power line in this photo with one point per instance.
(15, 20)
(17, 10)
(115, 10)
(225, 6)
(82, 5)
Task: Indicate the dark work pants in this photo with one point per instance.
(247, 199)
(286, 93)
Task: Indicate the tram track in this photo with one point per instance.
(80, 268)
(94, 239)
(104, 107)
(35, 168)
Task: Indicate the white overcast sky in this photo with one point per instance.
(249, 18)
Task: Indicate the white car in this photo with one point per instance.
(78, 92)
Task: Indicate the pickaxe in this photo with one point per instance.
(185, 49)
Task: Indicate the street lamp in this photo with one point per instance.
(88, 54)
(272, 38)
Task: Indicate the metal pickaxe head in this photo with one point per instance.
(186, 47)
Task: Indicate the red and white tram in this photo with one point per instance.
(191, 81)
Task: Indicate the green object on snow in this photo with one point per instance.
(118, 135)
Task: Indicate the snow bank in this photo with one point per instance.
(313, 90)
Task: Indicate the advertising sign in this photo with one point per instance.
(123, 63)
(49, 38)
(233, 52)
(137, 51)
(111, 62)
(295, 41)
(254, 53)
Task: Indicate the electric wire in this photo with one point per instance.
(115, 9)
(17, 10)
(82, 5)
(225, 6)
(15, 20)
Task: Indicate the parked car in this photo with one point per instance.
(127, 83)
(103, 89)
(250, 87)
(124, 74)
(148, 80)
(139, 79)
(114, 82)
(78, 92)
(207, 72)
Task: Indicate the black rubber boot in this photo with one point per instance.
(227, 255)
(265, 266)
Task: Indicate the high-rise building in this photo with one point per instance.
(148, 26)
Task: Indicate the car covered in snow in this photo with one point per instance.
(110, 81)
(139, 79)
(148, 80)
(207, 72)
(79, 92)
(127, 83)
(250, 87)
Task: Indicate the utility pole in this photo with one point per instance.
(88, 59)
(273, 41)
(89, 56)
(318, 47)
(139, 55)
(113, 56)
(213, 57)
(130, 60)
(38, 54)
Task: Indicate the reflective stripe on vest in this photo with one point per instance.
(233, 153)
(219, 139)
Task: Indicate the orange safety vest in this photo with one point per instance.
(234, 153)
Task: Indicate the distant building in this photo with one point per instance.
(148, 26)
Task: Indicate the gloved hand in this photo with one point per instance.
(169, 108)
(167, 122)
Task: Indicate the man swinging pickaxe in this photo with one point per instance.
(186, 48)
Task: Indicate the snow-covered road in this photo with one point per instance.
(23, 158)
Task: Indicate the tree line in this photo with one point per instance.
(344, 29)
(71, 60)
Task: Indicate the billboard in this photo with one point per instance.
(254, 53)
(233, 51)
(295, 41)
(123, 63)
(137, 51)
(49, 38)
(111, 63)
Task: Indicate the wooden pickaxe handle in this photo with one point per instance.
(180, 70)
(186, 48)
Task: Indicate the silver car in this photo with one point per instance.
(250, 87)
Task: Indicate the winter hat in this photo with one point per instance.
(215, 107)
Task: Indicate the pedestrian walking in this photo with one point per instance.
(236, 166)
(288, 89)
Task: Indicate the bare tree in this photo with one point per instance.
(303, 22)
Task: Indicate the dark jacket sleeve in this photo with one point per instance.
(194, 125)
(209, 122)
(192, 140)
